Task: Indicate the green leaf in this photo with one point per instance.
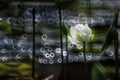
(24, 69)
(66, 29)
(111, 35)
(8, 30)
(98, 72)
(6, 27)
(4, 69)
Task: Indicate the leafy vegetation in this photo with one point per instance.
(98, 72)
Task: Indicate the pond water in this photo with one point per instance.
(16, 41)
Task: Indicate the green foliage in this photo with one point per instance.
(24, 69)
(5, 27)
(99, 38)
(4, 69)
(111, 35)
(98, 72)
(110, 69)
(66, 29)
(9, 30)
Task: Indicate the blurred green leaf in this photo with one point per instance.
(111, 35)
(25, 69)
(66, 29)
(110, 69)
(98, 72)
(5, 27)
(4, 69)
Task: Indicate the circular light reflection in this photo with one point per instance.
(29, 11)
(30, 50)
(11, 20)
(14, 47)
(40, 60)
(49, 49)
(81, 54)
(45, 61)
(76, 58)
(18, 56)
(44, 37)
(59, 60)
(23, 50)
(4, 59)
(88, 58)
(58, 50)
(110, 53)
(70, 45)
(52, 55)
(6, 40)
(46, 45)
(51, 61)
(38, 18)
(42, 50)
(24, 37)
(47, 55)
(70, 59)
(20, 44)
(64, 53)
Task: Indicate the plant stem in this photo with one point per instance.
(116, 59)
(85, 61)
(61, 41)
(91, 49)
(33, 54)
(67, 49)
(67, 57)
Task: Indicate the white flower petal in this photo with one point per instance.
(75, 42)
(80, 33)
(88, 30)
(87, 38)
(79, 36)
(71, 40)
(80, 27)
(84, 33)
(73, 32)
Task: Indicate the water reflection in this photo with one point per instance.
(48, 50)
(11, 20)
(51, 62)
(18, 56)
(44, 37)
(4, 59)
(59, 60)
(8, 41)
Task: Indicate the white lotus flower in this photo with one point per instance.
(80, 33)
